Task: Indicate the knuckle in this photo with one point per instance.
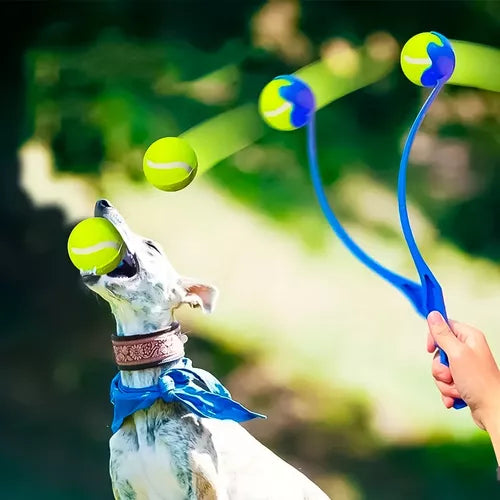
(450, 391)
(444, 388)
(441, 373)
(459, 352)
(440, 330)
(440, 387)
(480, 338)
(444, 399)
(435, 369)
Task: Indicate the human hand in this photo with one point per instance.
(473, 374)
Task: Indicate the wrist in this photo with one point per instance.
(490, 408)
(492, 427)
(495, 441)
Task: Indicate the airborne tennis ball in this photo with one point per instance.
(286, 103)
(170, 164)
(95, 245)
(427, 58)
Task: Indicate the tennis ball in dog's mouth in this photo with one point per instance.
(170, 164)
(286, 103)
(95, 245)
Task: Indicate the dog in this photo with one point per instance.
(166, 451)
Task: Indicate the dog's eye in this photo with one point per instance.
(152, 245)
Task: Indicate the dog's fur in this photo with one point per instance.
(166, 452)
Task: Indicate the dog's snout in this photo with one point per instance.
(100, 206)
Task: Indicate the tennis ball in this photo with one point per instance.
(427, 58)
(286, 103)
(170, 164)
(95, 245)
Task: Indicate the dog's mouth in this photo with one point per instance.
(127, 268)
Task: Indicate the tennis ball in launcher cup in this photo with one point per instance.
(170, 164)
(286, 103)
(95, 245)
(427, 58)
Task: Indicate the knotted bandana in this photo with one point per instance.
(195, 388)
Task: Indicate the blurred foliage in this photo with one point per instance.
(98, 82)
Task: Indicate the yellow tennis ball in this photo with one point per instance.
(427, 58)
(170, 164)
(286, 103)
(95, 245)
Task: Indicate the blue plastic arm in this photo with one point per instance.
(426, 296)
(433, 299)
(412, 290)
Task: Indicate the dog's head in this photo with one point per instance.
(144, 289)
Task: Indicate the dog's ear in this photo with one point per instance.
(197, 294)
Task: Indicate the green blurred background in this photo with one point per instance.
(302, 332)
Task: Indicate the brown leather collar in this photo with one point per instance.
(136, 352)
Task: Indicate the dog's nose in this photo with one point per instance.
(100, 206)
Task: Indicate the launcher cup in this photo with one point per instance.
(428, 58)
(286, 103)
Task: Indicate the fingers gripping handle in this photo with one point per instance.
(434, 301)
(458, 404)
(433, 293)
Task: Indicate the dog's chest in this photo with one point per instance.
(150, 473)
(149, 458)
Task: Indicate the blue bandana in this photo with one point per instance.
(196, 389)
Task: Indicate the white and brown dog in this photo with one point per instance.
(165, 451)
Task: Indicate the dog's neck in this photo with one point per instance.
(131, 324)
(145, 377)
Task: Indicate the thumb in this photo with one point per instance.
(441, 332)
